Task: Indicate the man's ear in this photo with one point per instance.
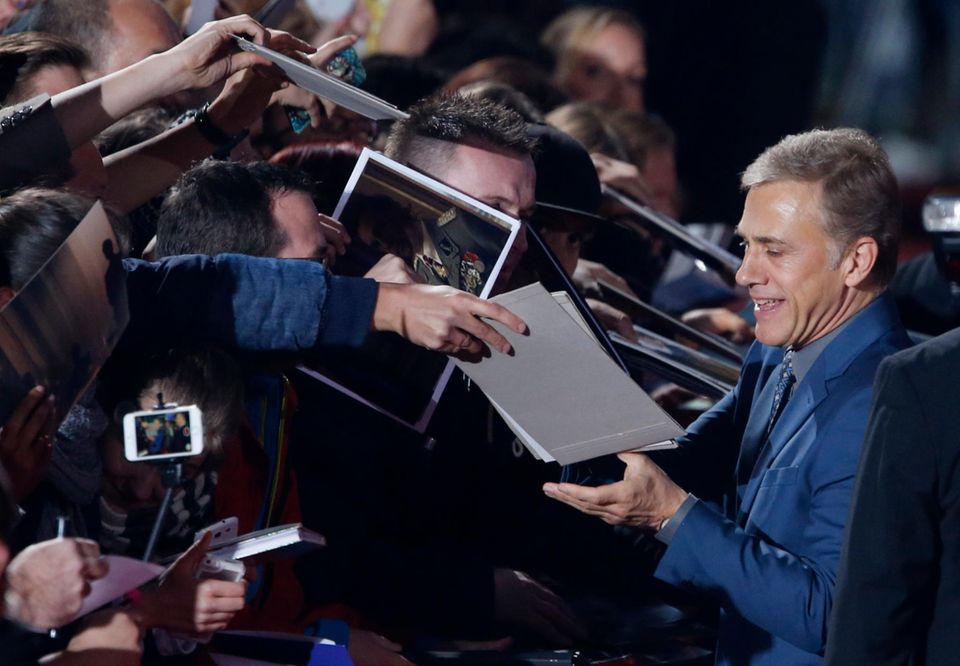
(6, 295)
(859, 261)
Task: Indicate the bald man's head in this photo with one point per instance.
(117, 33)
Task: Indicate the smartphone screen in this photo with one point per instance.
(166, 433)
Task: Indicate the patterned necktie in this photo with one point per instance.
(782, 392)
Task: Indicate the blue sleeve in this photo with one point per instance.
(665, 534)
(788, 594)
(248, 303)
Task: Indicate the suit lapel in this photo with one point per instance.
(808, 394)
(754, 434)
(867, 327)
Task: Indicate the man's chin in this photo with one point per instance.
(770, 338)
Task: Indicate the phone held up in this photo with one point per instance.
(162, 434)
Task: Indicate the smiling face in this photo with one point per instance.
(800, 290)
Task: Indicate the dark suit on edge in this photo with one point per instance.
(898, 600)
(770, 556)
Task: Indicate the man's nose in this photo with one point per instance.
(749, 272)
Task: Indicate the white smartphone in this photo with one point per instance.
(222, 530)
(159, 434)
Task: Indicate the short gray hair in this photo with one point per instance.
(860, 193)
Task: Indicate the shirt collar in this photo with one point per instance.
(804, 358)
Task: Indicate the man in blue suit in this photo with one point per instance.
(752, 505)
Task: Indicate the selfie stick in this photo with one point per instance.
(170, 476)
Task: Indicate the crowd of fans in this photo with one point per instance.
(234, 275)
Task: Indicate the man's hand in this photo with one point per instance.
(46, 583)
(392, 268)
(442, 318)
(719, 321)
(26, 441)
(521, 601)
(589, 274)
(302, 99)
(210, 55)
(247, 93)
(316, 107)
(644, 499)
(613, 319)
(185, 604)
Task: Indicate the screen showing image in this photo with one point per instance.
(163, 434)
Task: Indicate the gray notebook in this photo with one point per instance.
(563, 397)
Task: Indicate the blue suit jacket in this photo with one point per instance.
(769, 552)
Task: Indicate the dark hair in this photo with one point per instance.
(24, 54)
(427, 138)
(33, 224)
(860, 193)
(218, 207)
(328, 163)
(87, 22)
(134, 128)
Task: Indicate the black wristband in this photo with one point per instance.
(223, 141)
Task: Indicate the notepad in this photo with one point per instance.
(560, 393)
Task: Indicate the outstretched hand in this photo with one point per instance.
(316, 107)
(443, 318)
(643, 499)
(211, 55)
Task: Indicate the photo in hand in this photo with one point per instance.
(446, 238)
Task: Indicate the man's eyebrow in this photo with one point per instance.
(494, 200)
(763, 240)
(769, 240)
